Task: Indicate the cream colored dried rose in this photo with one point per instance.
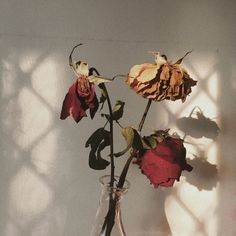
(162, 80)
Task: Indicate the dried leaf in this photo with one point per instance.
(137, 143)
(98, 79)
(70, 56)
(181, 59)
(103, 98)
(117, 111)
(128, 134)
(82, 68)
(98, 141)
(149, 142)
(132, 140)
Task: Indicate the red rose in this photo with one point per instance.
(80, 97)
(164, 164)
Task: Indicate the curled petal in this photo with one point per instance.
(80, 97)
(145, 72)
(72, 105)
(160, 81)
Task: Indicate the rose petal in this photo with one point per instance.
(72, 105)
(158, 170)
(171, 81)
(164, 164)
(76, 102)
(144, 72)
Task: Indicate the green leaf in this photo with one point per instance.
(117, 111)
(103, 98)
(97, 79)
(149, 142)
(137, 143)
(132, 139)
(128, 134)
(163, 134)
(98, 141)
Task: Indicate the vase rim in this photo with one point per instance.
(106, 183)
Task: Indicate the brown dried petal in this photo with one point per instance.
(159, 82)
(144, 72)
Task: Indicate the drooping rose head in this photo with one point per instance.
(81, 96)
(162, 80)
(164, 164)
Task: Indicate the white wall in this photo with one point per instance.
(47, 188)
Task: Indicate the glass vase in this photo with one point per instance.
(108, 221)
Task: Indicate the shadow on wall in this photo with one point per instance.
(199, 126)
(202, 134)
(59, 207)
(204, 177)
(16, 158)
(35, 192)
(33, 183)
(204, 174)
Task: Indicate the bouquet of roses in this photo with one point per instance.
(160, 156)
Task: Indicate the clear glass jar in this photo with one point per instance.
(110, 201)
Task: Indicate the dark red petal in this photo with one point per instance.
(72, 105)
(93, 106)
(158, 170)
(92, 101)
(168, 183)
(88, 99)
(171, 149)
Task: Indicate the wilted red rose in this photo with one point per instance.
(163, 80)
(80, 97)
(164, 164)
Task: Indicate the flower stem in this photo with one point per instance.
(133, 152)
(144, 115)
(125, 169)
(110, 217)
(102, 86)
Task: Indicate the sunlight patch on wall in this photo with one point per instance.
(211, 153)
(29, 196)
(212, 85)
(35, 118)
(179, 225)
(29, 59)
(196, 212)
(31, 192)
(51, 224)
(195, 197)
(204, 65)
(7, 79)
(45, 80)
(44, 160)
(202, 100)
